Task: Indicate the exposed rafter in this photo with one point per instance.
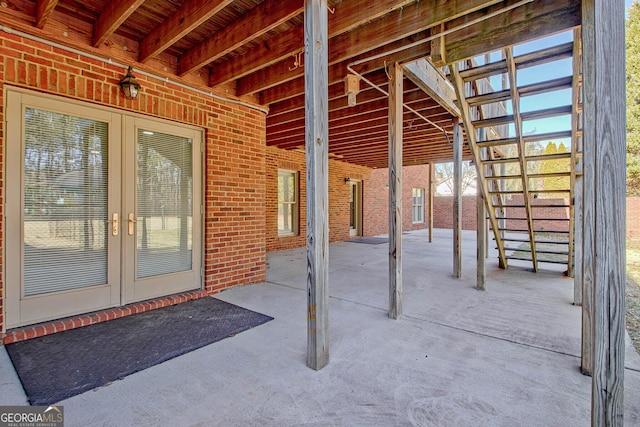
(113, 16)
(180, 23)
(346, 16)
(44, 9)
(255, 23)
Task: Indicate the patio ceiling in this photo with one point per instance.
(251, 49)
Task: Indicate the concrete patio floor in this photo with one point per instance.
(508, 356)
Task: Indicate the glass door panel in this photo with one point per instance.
(65, 202)
(163, 208)
(59, 228)
(164, 204)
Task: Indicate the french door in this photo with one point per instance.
(102, 208)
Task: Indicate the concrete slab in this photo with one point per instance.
(457, 357)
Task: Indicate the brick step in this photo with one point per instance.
(47, 328)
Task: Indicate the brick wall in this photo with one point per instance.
(560, 213)
(443, 212)
(338, 197)
(375, 217)
(376, 199)
(235, 148)
(633, 218)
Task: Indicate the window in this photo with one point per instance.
(287, 203)
(418, 205)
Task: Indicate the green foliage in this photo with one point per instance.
(633, 99)
(554, 166)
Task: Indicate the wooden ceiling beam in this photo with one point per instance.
(425, 75)
(419, 144)
(357, 126)
(184, 20)
(365, 134)
(44, 9)
(346, 16)
(256, 22)
(336, 90)
(375, 155)
(533, 20)
(372, 99)
(338, 71)
(393, 26)
(410, 129)
(116, 12)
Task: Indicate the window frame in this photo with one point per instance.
(295, 206)
(414, 205)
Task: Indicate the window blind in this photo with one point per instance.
(64, 202)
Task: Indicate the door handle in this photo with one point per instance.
(132, 221)
(114, 224)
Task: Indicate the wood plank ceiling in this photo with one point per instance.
(251, 49)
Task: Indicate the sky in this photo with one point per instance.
(542, 73)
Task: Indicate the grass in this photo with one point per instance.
(633, 286)
(633, 292)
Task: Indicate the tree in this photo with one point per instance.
(633, 99)
(554, 166)
(444, 175)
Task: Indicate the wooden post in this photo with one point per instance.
(316, 141)
(604, 201)
(432, 191)
(457, 199)
(577, 236)
(481, 225)
(481, 233)
(395, 192)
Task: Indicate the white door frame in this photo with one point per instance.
(19, 310)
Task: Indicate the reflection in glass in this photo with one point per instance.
(64, 202)
(164, 204)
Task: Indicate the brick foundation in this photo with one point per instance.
(47, 328)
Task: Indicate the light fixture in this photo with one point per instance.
(351, 88)
(130, 85)
(347, 181)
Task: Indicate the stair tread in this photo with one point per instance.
(539, 260)
(547, 242)
(539, 251)
(525, 230)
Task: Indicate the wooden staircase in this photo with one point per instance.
(510, 165)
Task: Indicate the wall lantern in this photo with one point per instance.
(348, 181)
(351, 88)
(130, 85)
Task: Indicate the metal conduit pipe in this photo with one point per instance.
(422, 41)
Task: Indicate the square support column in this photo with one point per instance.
(432, 190)
(481, 233)
(317, 153)
(604, 201)
(457, 199)
(395, 191)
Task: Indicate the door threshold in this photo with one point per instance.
(46, 328)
